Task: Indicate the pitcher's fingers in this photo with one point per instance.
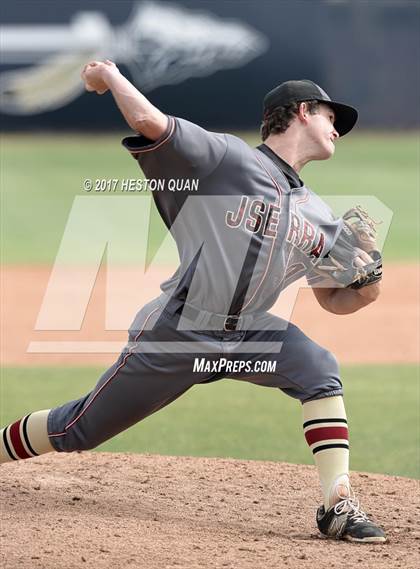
(365, 257)
(362, 261)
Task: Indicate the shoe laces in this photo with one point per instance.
(351, 506)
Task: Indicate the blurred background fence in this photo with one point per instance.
(210, 61)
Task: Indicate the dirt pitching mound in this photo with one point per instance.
(105, 510)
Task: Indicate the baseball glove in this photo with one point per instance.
(354, 260)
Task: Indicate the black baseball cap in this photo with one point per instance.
(305, 90)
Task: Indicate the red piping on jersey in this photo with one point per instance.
(155, 146)
(129, 353)
(304, 199)
(279, 191)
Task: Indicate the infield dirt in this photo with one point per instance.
(102, 510)
(385, 332)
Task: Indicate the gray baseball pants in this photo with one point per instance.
(150, 373)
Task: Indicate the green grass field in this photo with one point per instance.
(41, 174)
(239, 420)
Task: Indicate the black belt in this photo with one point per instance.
(228, 323)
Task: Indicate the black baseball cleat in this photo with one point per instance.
(347, 521)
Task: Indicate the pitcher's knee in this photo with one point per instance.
(324, 376)
(328, 364)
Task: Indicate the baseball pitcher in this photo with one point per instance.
(251, 229)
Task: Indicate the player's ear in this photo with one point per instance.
(303, 112)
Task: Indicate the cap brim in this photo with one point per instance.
(345, 116)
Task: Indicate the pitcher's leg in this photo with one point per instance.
(137, 385)
(129, 391)
(308, 372)
(326, 432)
(302, 369)
(126, 393)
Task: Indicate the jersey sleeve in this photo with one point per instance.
(315, 280)
(184, 150)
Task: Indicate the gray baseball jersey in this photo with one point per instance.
(250, 230)
(244, 234)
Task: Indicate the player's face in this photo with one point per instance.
(321, 133)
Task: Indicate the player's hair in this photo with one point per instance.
(279, 119)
